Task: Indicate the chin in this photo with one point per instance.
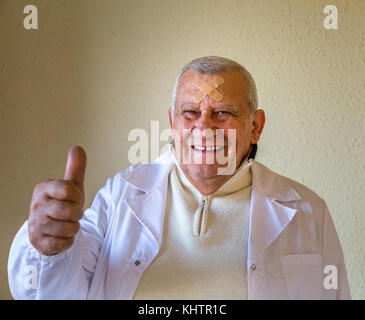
(204, 171)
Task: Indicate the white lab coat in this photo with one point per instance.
(291, 240)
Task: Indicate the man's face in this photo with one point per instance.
(191, 120)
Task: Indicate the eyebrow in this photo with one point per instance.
(187, 104)
(228, 106)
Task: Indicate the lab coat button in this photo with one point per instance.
(137, 262)
(253, 267)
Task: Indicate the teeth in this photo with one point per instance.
(199, 148)
(216, 148)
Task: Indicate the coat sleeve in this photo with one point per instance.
(335, 283)
(66, 275)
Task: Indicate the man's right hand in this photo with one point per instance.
(57, 206)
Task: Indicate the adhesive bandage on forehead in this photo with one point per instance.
(208, 89)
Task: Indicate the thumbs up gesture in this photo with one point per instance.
(57, 206)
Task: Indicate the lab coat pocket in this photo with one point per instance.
(303, 275)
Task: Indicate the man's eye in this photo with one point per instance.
(223, 113)
(191, 113)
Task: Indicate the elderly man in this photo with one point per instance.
(188, 225)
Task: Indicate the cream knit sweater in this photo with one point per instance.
(203, 253)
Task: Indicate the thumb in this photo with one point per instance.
(76, 166)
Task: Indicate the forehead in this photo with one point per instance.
(234, 86)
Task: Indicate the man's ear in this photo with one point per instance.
(258, 124)
(170, 117)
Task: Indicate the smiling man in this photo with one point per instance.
(232, 113)
(203, 221)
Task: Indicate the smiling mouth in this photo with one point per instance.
(209, 149)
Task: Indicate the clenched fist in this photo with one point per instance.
(57, 206)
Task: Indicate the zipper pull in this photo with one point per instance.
(201, 218)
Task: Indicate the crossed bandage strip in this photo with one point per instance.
(208, 89)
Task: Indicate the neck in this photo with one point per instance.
(207, 185)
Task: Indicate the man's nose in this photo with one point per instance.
(205, 121)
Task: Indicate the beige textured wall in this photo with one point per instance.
(97, 69)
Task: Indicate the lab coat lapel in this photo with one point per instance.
(270, 210)
(149, 201)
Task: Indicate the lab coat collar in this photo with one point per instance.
(272, 184)
(271, 199)
(147, 177)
